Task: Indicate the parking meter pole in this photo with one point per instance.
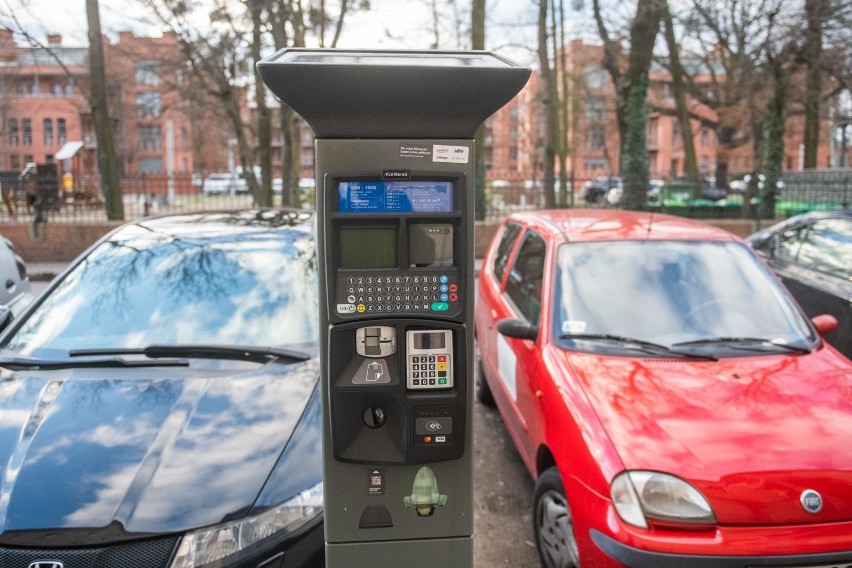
(395, 175)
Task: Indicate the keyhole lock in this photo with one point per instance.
(374, 417)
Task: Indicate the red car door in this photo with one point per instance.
(513, 362)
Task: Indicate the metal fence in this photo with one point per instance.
(154, 194)
(144, 195)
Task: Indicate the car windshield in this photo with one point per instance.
(210, 282)
(670, 293)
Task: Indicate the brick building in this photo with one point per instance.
(161, 119)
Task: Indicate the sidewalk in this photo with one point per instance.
(44, 271)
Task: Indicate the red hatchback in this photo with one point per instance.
(670, 399)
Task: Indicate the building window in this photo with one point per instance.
(595, 110)
(15, 162)
(23, 87)
(513, 153)
(705, 137)
(13, 132)
(677, 135)
(594, 164)
(146, 73)
(27, 127)
(28, 159)
(61, 131)
(48, 132)
(150, 165)
(595, 138)
(148, 105)
(595, 78)
(306, 158)
(150, 137)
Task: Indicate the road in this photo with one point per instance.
(503, 534)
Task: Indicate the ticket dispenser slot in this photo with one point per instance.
(395, 168)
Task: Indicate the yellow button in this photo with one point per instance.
(442, 366)
(361, 308)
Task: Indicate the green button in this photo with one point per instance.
(442, 381)
(440, 306)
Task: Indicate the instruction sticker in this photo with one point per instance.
(415, 151)
(451, 154)
(376, 484)
(573, 326)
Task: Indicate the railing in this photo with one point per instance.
(153, 194)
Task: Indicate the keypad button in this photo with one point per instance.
(444, 297)
(454, 297)
(444, 288)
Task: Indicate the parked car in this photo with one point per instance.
(673, 404)
(222, 183)
(812, 254)
(595, 190)
(15, 289)
(613, 196)
(160, 405)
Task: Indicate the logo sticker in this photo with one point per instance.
(811, 501)
(451, 154)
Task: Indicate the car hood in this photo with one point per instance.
(752, 434)
(146, 449)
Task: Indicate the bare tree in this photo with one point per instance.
(549, 101)
(107, 156)
(477, 42)
(679, 91)
(631, 92)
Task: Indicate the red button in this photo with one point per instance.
(454, 297)
(442, 358)
(453, 288)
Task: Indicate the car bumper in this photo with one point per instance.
(637, 558)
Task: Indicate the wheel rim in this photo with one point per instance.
(556, 539)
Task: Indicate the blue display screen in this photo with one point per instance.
(395, 196)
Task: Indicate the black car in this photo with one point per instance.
(812, 253)
(159, 403)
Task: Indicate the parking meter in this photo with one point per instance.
(395, 182)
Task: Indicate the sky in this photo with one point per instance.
(389, 24)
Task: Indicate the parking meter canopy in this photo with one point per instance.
(374, 94)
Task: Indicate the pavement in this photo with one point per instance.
(44, 271)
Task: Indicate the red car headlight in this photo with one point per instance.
(641, 497)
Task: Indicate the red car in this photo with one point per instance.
(673, 403)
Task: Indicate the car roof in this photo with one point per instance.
(611, 225)
(217, 223)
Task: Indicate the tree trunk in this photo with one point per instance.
(633, 95)
(773, 145)
(563, 98)
(815, 11)
(548, 102)
(690, 161)
(107, 157)
(477, 42)
(264, 122)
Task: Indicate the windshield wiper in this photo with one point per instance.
(745, 343)
(647, 346)
(232, 352)
(20, 363)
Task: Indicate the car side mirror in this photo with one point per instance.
(825, 323)
(517, 329)
(6, 317)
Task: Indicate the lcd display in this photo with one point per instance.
(429, 340)
(430, 245)
(395, 196)
(368, 247)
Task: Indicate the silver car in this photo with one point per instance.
(14, 281)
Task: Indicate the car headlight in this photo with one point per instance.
(231, 542)
(640, 496)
